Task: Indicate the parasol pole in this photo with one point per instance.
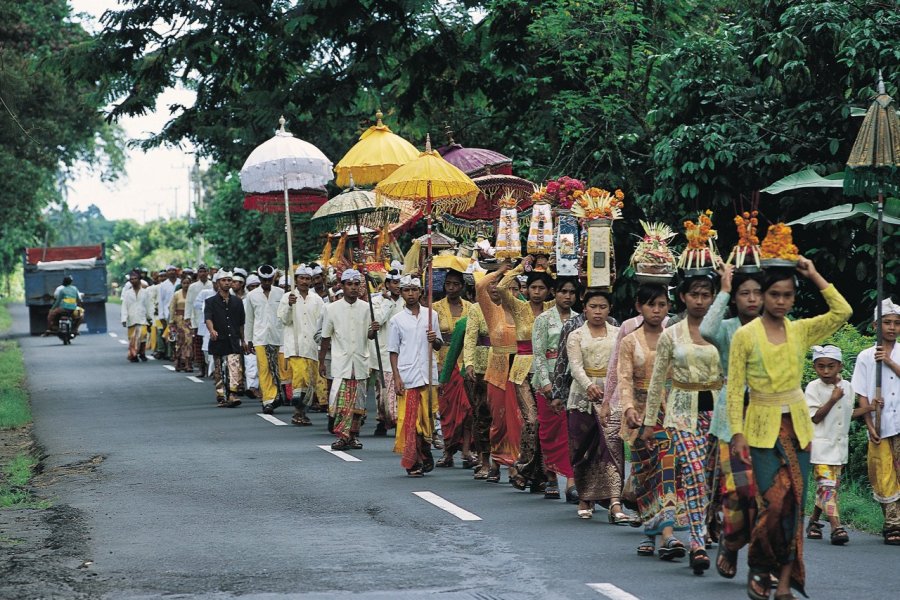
(430, 277)
(365, 273)
(879, 286)
(288, 275)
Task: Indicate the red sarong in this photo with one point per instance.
(554, 435)
(455, 411)
(506, 424)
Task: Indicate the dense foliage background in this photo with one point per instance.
(683, 104)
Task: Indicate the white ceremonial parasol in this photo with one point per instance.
(285, 163)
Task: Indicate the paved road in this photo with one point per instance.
(200, 502)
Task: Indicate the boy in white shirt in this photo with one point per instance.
(411, 340)
(884, 436)
(830, 401)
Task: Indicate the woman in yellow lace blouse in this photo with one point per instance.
(696, 374)
(767, 355)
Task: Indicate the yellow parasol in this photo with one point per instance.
(434, 185)
(376, 155)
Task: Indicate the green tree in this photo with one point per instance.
(49, 120)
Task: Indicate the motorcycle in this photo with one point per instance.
(64, 330)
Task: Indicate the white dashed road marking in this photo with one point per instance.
(124, 342)
(113, 334)
(340, 454)
(195, 379)
(612, 592)
(271, 419)
(169, 367)
(460, 513)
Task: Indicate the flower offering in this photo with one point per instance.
(746, 253)
(652, 254)
(700, 252)
(596, 203)
(508, 245)
(779, 244)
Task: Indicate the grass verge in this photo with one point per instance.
(17, 470)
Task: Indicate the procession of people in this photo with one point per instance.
(721, 437)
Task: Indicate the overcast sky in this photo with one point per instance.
(155, 181)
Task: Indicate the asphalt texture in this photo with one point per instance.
(182, 499)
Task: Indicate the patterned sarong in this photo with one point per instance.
(349, 409)
(598, 471)
(690, 457)
(781, 474)
(227, 373)
(137, 338)
(659, 497)
(733, 491)
(415, 424)
(481, 414)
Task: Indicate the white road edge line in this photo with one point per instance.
(460, 513)
(271, 419)
(612, 592)
(194, 379)
(169, 367)
(125, 342)
(150, 358)
(342, 455)
(113, 334)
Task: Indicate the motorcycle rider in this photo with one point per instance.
(67, 298)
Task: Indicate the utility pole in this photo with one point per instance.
(198, 198)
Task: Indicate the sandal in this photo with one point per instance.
(416, 471)
(572, 495)
(301, 421)
(699, 561)
(647, 547)
(481, 473)
(493, 475)
(341, 444)
(585, 513)
(839, 536)
(445, 461)
(517, 481)
(726, 562)
(551, 492)
(354, 444)
(471, 462)
(671, 549)
(814, 530)
(617, 517)
(892, 537)
(759, 583)
(428, 463)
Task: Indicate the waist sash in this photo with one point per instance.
(524, 348)
(710, 386)
(483, 340)
(595, 372)
(778, 399)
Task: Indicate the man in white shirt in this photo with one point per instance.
(264, 334)
(386, 305)
(251, 373)
(193, 318)
(137, 313)
(346, 329)
(884, 442)
(300, 312)
(164, 298)
(411, 339)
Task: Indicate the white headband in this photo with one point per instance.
(408, 281)
(221, 274)
(832, 352)
(304, 271)
(887, 308)
(252, 280)
(351, 275)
